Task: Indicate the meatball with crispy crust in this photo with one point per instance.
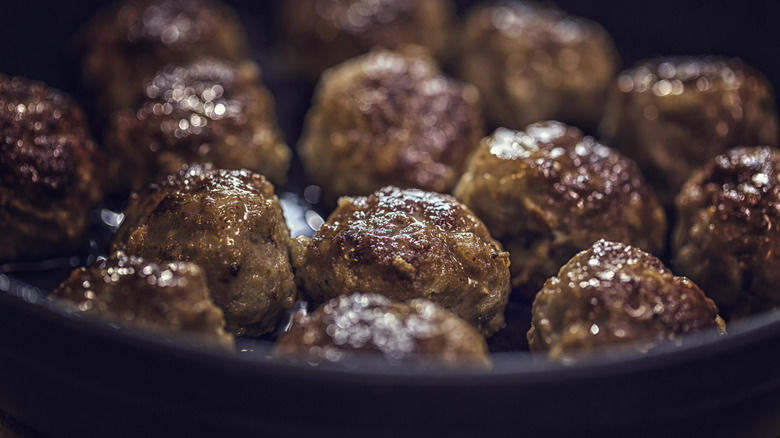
(169, 297)
(407, 244)
(727, 237)
(50, 171)
(206, 111)
(549, 192)
(131, 40)
(370, 325)
(673, 114)
(231, 224)
(616, 295)
(389, 118)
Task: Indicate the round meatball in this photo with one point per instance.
(206, 111)
(50, 171)
(369, 325)
(231, 224)
(407, 244)
(167, 297)
(532, 62)
(550, 192)
(133, 39)
(674, 114)
(614, 294)
(389, 118)
(318, 34)
(727, 237)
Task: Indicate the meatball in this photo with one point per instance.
(389, 118)
(727, 237)
(132, 40)
(614, 294)
(231, 224)
(369, 325)
(168, 297)
(550, 192)
(50, 171)
(532, 62)
(407, 244)
(674, 114)
(206, 111)
(318, 34)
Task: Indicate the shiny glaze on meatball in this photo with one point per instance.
(549, 192)
(369, 325)
(50, 170)
(407, 244)
(616, 295)
(167, 297)
(727, 238)
(230, 223)
(206, 111)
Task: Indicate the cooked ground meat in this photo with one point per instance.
(407, 244)
(167, 297)
(231, 224)
(549, 192)
(369, 325)
(613, 294)
(50, 171)
(727, 237)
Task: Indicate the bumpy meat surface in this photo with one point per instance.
(673, 114)
(206, 111)
(231, 224)
(167, 297)
(407, 244)
(133, 39)
(50, 174)
(319, 34)
(389, 118)
(727, 237)
(549, 192)
(532, 62)
(370, 325)
(616, 295)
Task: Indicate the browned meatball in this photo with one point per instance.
(532, 62)
(371, 325)
(230, 223)
(727, 237)
(167, 297)
(318, 34)
(407, 244)
(133, 39)
(206, 111)
(550, 192)
(50, 171)
(674, 114)
(613, 294)
(389, 118)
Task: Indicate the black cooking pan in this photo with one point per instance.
(66, 375)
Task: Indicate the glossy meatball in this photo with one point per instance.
(614, 294)
(230, 223)
(206, 111)
(318, 34)
(727, 237)
(169, 297)
(50, 171)
(532, 62)
(407, 244)
(370, 325)
(549, 192)
(674, 114)
(389, 118)
(133, 39)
